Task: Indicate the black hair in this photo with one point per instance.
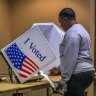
(67, 12)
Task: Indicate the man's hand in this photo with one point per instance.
(54, 71)
(61, 85)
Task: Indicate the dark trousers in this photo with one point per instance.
(78, 83)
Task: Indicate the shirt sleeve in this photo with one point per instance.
(59, 68)
(68, 57)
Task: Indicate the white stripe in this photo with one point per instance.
(27, 69)
(21, 72)
(28, 66)
(31, 63)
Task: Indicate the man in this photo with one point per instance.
(76, 60)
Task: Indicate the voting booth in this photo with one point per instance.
(35, 50)
(54, 36)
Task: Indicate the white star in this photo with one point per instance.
(15, 63)
(10, 56)
(14, 52)
(18, 63)
(19, 59)
(19, 53)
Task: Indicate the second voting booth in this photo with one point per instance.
(35, 50)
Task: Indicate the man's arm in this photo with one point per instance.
(55, 71)
(69, 57)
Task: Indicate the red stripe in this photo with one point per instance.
(22, 75)
(30, 64)
(25, 71)
(27, 67)
(33, 63)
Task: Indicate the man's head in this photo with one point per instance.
(66, 18)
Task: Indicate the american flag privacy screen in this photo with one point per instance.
(22, 63)
(29, 53)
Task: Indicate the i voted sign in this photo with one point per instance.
(28, 54)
